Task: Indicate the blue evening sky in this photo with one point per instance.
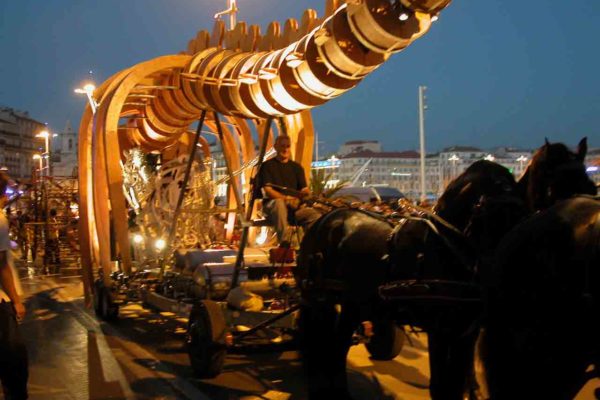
(499, 73)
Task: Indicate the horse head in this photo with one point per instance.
(555, 173)
(484, 203)
(469, 219)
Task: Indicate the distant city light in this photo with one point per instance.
(333, 162)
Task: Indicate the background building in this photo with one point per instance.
(363, 163)
(64, 152)
(18, 142)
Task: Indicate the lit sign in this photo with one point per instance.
(326, 164)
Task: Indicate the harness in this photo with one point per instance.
(431, 291)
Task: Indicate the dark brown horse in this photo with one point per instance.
(555, 173)
(545, 284)
(542, 327)
(349, 254)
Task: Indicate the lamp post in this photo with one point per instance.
(422, 108)
(88, 90)
(41, 166)
(43, 177)
(522, 159)
(453, 159)
(231, 11)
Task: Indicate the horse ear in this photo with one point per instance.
(546, 142)
(582, 149)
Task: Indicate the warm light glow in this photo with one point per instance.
(267, 73)
(37, 157)
(261, 238)
(248, 79)
(88, 88)
(43, 134)
(294, 60)
(489, 157)
(403, 17)
(160, 244)
(137, 239)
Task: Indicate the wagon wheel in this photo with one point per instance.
(206, 339)
(387, 340)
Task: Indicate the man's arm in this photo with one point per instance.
(8, 284)
(303, 186)
(274, 194)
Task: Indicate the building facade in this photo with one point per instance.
(402, 170)
(64, 152)
(18, 143)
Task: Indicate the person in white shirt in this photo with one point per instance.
(14, 369)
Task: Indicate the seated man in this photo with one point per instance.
(276, 175)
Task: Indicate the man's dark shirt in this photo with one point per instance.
(289, 174)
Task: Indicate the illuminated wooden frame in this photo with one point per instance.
(246, 77)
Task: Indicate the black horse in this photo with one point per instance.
(555, 173)
(348, 255)
(545, 283)
(542, 328)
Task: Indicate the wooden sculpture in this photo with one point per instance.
(245, 76)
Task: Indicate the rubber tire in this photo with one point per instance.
(387, 340)
(206, 339)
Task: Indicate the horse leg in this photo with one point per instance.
(450, 363)
(322, 350)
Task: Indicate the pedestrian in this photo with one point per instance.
(279, 175)
(22, 236)
(52, 245)
(14, 369)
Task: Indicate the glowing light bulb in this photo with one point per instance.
(160, 244)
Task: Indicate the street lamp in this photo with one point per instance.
(231, 11)
(88, 90)
(41, 165)
(46, 136)
(454, 158)
(522, 159)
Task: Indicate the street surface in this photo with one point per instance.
(73, 356)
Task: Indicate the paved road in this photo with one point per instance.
(141, 356)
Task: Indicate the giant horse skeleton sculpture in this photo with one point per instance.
(241, 74)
